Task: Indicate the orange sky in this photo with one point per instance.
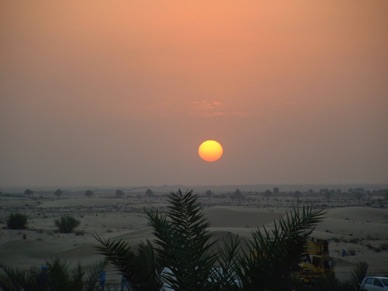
(123, 92)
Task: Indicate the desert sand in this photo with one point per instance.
(359, 227)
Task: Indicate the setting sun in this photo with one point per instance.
(210, 151)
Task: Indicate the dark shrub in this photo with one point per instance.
(66, 224)
(17, 221)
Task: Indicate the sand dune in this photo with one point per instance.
(223, 216)
(359, 214)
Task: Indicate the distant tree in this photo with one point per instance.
(28, 192)
(58, 193)
(358, 195)
(328, 195)
(149, 193)
(89, 193)
(276, 190)
(17, 221)
(119, 193)
(237, 194)
(208, 193)
(267, 194)
(297, 195)
(66, 224)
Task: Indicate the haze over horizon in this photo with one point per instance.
(123, 93)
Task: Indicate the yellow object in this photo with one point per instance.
(316, 261)
(210, 150)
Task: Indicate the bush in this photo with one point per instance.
(17, 221)
(66, 224)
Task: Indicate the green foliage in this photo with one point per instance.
(141, 269)
(58, 277)
(89, 193)
(225, 275)
(273, 255)
(17, 221)
(182, 243)
(28, 192)
(119, 193)
(66, 224)
(89, 283)
(14, 279)
(58, 193)
(358, 274)
(55, 275)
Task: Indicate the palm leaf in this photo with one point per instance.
(135, 268)
(225, 275)
(14, 279)
(358, 274)
(93, 275)
(182, 243)
(58, 274)
(77, 278)
(274, 254)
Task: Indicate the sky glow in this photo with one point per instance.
(123, 92)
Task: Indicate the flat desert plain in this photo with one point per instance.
(357, 226)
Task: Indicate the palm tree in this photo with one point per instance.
(182, 243)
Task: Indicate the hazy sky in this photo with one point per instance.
(123, 92)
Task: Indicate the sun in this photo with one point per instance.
(210, 151)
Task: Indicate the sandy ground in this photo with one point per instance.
(358, 229)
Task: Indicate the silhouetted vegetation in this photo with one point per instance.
(66, 224)
(149, 193)
(89, 193)
(28, 192)
(58, 193)
(184, 258)
(54, 275)
(119, 193)
(17, 221)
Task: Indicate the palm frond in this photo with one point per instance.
(117, 253)
(77, 278)
(93, 274)
(58, 274)
(133, 267)
(149, 268)
(274, 254)
(225, 275)
(182, 242)
(358, 273)
(14, 279)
